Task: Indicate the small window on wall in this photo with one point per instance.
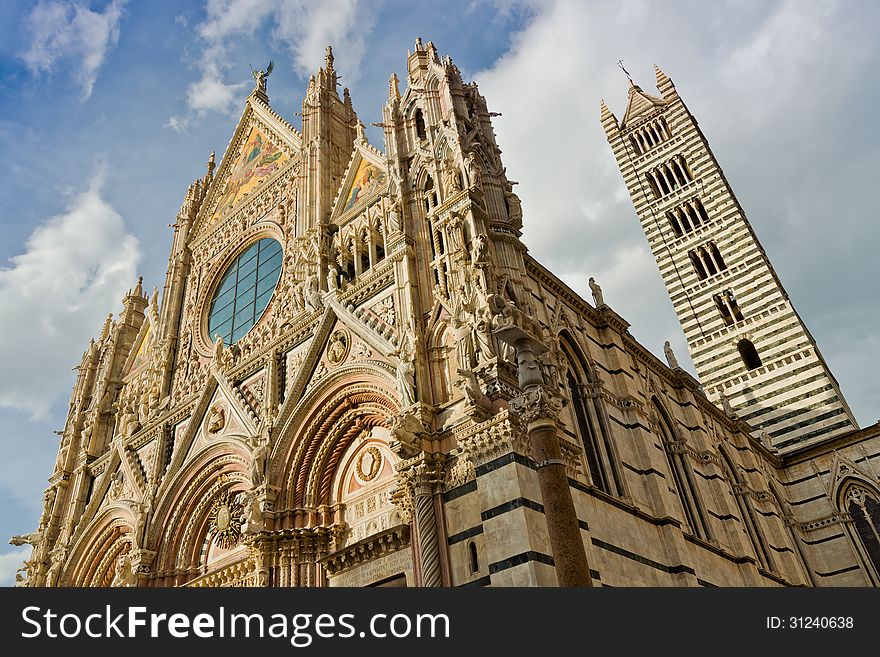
(749, 354)
(473, 558)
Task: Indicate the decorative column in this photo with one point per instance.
(420, 477)
(538, 408)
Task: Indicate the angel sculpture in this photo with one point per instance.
(260, 77)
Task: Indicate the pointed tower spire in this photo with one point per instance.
(394, 87)
(664, 84)
(139, 288)
(105, 331)
(609, 121)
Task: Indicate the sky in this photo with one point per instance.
(109, 110)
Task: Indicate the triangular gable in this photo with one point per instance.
(364, 178)
(639, 104)
(140, 351)
(262, 144)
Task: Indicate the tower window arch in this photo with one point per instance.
(749, 354)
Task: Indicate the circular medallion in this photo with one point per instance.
(224, 515)
(337, 348)
(369, 463)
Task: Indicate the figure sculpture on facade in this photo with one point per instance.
(598, 299)
(670, 355)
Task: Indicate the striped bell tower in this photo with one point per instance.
(750, 348)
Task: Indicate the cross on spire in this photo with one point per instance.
(625, 72)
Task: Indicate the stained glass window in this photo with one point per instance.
(245, 290)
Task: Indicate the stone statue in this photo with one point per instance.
(456, 234)
(450, 178)
(405, 369)
(332, 278)
(472, 169)
(124, 575)
(670, 355)
(218, 350)
(258, 461)
(725, 404)
(312, 293)
(260, 77)
(480, 249)
(251, 513)
(405, 373)
(514, 205)
(598, 299)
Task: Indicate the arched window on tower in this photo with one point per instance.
(863, 505)
(682, 474)
(589, 420)
(749, 354)
(747, 513)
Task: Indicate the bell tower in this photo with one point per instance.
(752, 352)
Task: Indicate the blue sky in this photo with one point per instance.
(108, 110)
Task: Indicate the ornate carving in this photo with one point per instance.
(338, 347)
(225, 522)
(537, 403)
(216, 419)
(369, 464)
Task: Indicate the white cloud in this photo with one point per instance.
(304, 28)
(210, 93)
(76, 266)
(63, 30)
(10, 562)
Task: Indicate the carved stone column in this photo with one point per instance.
(538, 408)
(426, 477)
(420, 479)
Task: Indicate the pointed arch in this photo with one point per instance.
(589, 418)
(747, 512)
(861, 501)
(682, 474)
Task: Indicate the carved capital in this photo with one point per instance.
(537, 403)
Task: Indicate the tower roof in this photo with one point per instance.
(639, 104)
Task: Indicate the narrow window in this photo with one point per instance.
(635, 144)
(716, 256)
(723, 309)
(653, 185)
(702, 211)
(588, 439)
(474, 559)
(747, 512)
(864, 509)
(673, 219)
(749, 354)
(421, 133)
(682, 477)
(698, 265)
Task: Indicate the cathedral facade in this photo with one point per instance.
(358, 376)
